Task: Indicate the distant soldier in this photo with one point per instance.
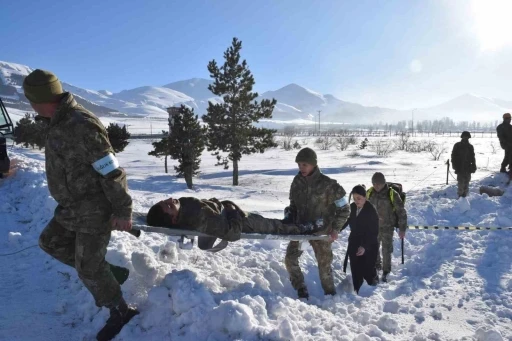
(504, 132)
(314, 197)
(463, 163)
(392, 213)
(90, 188)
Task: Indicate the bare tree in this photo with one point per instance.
(324, 142)
(288, 133)
(403, 139)
(437, 151)
(494, 148)
(382, 147)
(342, 143)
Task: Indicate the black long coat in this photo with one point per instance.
(364, 231)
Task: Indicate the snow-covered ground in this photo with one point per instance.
(454, 285)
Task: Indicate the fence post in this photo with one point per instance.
(447, 170)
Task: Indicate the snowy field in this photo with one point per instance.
(454, 285)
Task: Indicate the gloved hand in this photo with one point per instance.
(288, 216)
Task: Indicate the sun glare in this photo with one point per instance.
(493, 24)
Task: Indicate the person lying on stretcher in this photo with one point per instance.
(219, 219)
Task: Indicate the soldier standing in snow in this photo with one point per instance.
(314, 197)
(463, 162)
(392, 213)
(504, 132)
(90, 188)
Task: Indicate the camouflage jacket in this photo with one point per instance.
(83, 175)
(463, 158)
(318, 197)
(504, 132)
(207, 216)
(391, 215)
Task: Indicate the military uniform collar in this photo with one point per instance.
(66, 103)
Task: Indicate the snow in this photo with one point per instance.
(454, 285)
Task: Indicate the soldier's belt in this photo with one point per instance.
(462, 228)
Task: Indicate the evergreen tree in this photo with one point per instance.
(230, 124)
(29, 133)
(161, 148)
(186, 142)
(118, 137)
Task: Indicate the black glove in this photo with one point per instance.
(288, 216)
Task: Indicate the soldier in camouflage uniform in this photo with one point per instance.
(391, 214)
(504, 132)
(90, 188)
(220, 219)
(463, 163)
(314, 197)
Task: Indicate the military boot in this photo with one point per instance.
(119, 316)
(121, 274)
(385, 276)
(303, 293)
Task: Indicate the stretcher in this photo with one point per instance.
(205, 241)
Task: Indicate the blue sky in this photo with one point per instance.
(399, 54)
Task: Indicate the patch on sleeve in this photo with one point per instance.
(106, 164)
(341, 202)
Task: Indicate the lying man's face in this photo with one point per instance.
(171, 207)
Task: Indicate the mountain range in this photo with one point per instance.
(294, 102)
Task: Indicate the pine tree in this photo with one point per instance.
(186, 142)
(29, 133)
(23, 131)
(230, 124)
(161, 148)
(118, 137)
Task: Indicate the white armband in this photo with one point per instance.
(341, 202)
(106, 164)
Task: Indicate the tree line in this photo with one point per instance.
(227, 131)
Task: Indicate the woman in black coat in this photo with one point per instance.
(363, 245)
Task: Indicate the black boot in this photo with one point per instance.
(503, 170)
(121, 274)
(303, 293)
(119, 316)
(374, 281)
(385, 276)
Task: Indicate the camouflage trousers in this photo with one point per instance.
(463, 180)
(255, 223)
(385, 238)
(86, 253)
(323, 254)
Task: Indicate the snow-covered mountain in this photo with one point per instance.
(11, 81)
(294, 102)
(469, 107)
